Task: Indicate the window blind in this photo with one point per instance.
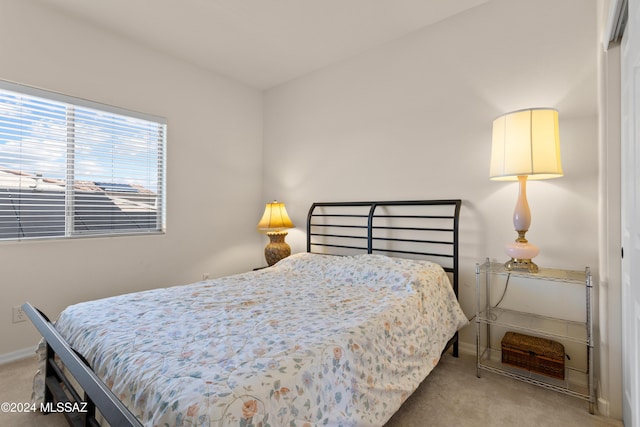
(71, 167)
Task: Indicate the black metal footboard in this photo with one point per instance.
(61, 393)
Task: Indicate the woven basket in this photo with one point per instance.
(534, 354)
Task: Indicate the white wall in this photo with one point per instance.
(412, 120)
(213, 168)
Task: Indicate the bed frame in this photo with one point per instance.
(419, 229)
(426, 229)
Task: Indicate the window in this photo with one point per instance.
(71, 167)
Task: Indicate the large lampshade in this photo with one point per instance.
(525, 145)
(273, 223)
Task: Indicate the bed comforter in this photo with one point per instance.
(313, 341)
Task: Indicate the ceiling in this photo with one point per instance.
(261, 43)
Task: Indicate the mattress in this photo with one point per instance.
(315, 340)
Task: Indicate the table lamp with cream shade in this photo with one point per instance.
(273, 223)
(525, 145)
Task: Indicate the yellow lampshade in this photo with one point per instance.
(275, 218)
(526, 143)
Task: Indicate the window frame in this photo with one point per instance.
(70, 214)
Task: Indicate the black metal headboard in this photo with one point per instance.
(421, 229)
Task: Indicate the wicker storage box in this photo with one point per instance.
(534, 354)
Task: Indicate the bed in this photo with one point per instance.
(339, 335)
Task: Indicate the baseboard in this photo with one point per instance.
(603, 407)
(17, 355)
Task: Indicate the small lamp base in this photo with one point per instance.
(521, 254)
(277, 248)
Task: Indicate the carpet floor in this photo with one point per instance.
(452, 395)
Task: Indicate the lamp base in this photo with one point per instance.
(521, 254)
(277, 248)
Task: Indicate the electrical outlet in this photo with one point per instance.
(19, 315)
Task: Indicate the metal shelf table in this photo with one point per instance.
(492, 320)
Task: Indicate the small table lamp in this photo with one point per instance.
(526, 144)
(273, 223)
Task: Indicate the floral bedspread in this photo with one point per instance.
(315, 340)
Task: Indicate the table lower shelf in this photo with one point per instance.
(576, 383)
